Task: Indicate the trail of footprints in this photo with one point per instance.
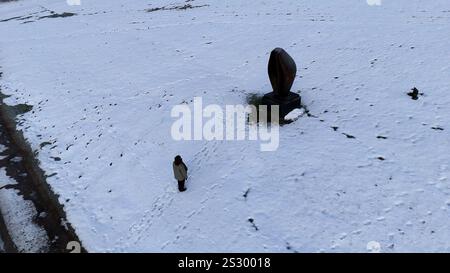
(139, 230)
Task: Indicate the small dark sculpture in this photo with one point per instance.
(282, 71)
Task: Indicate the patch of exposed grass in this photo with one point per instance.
(58, 15)
(184, 7)
(255, 100)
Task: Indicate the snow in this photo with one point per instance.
(2, 149)
(18, 215)
(294, 114)
(366, 166)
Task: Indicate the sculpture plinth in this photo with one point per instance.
(286, 104)
(282, 71)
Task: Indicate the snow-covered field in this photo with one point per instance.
(369, 165)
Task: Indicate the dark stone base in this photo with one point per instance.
(287, 104)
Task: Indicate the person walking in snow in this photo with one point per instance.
(180, 172)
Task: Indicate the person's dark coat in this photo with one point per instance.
(180, 171)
